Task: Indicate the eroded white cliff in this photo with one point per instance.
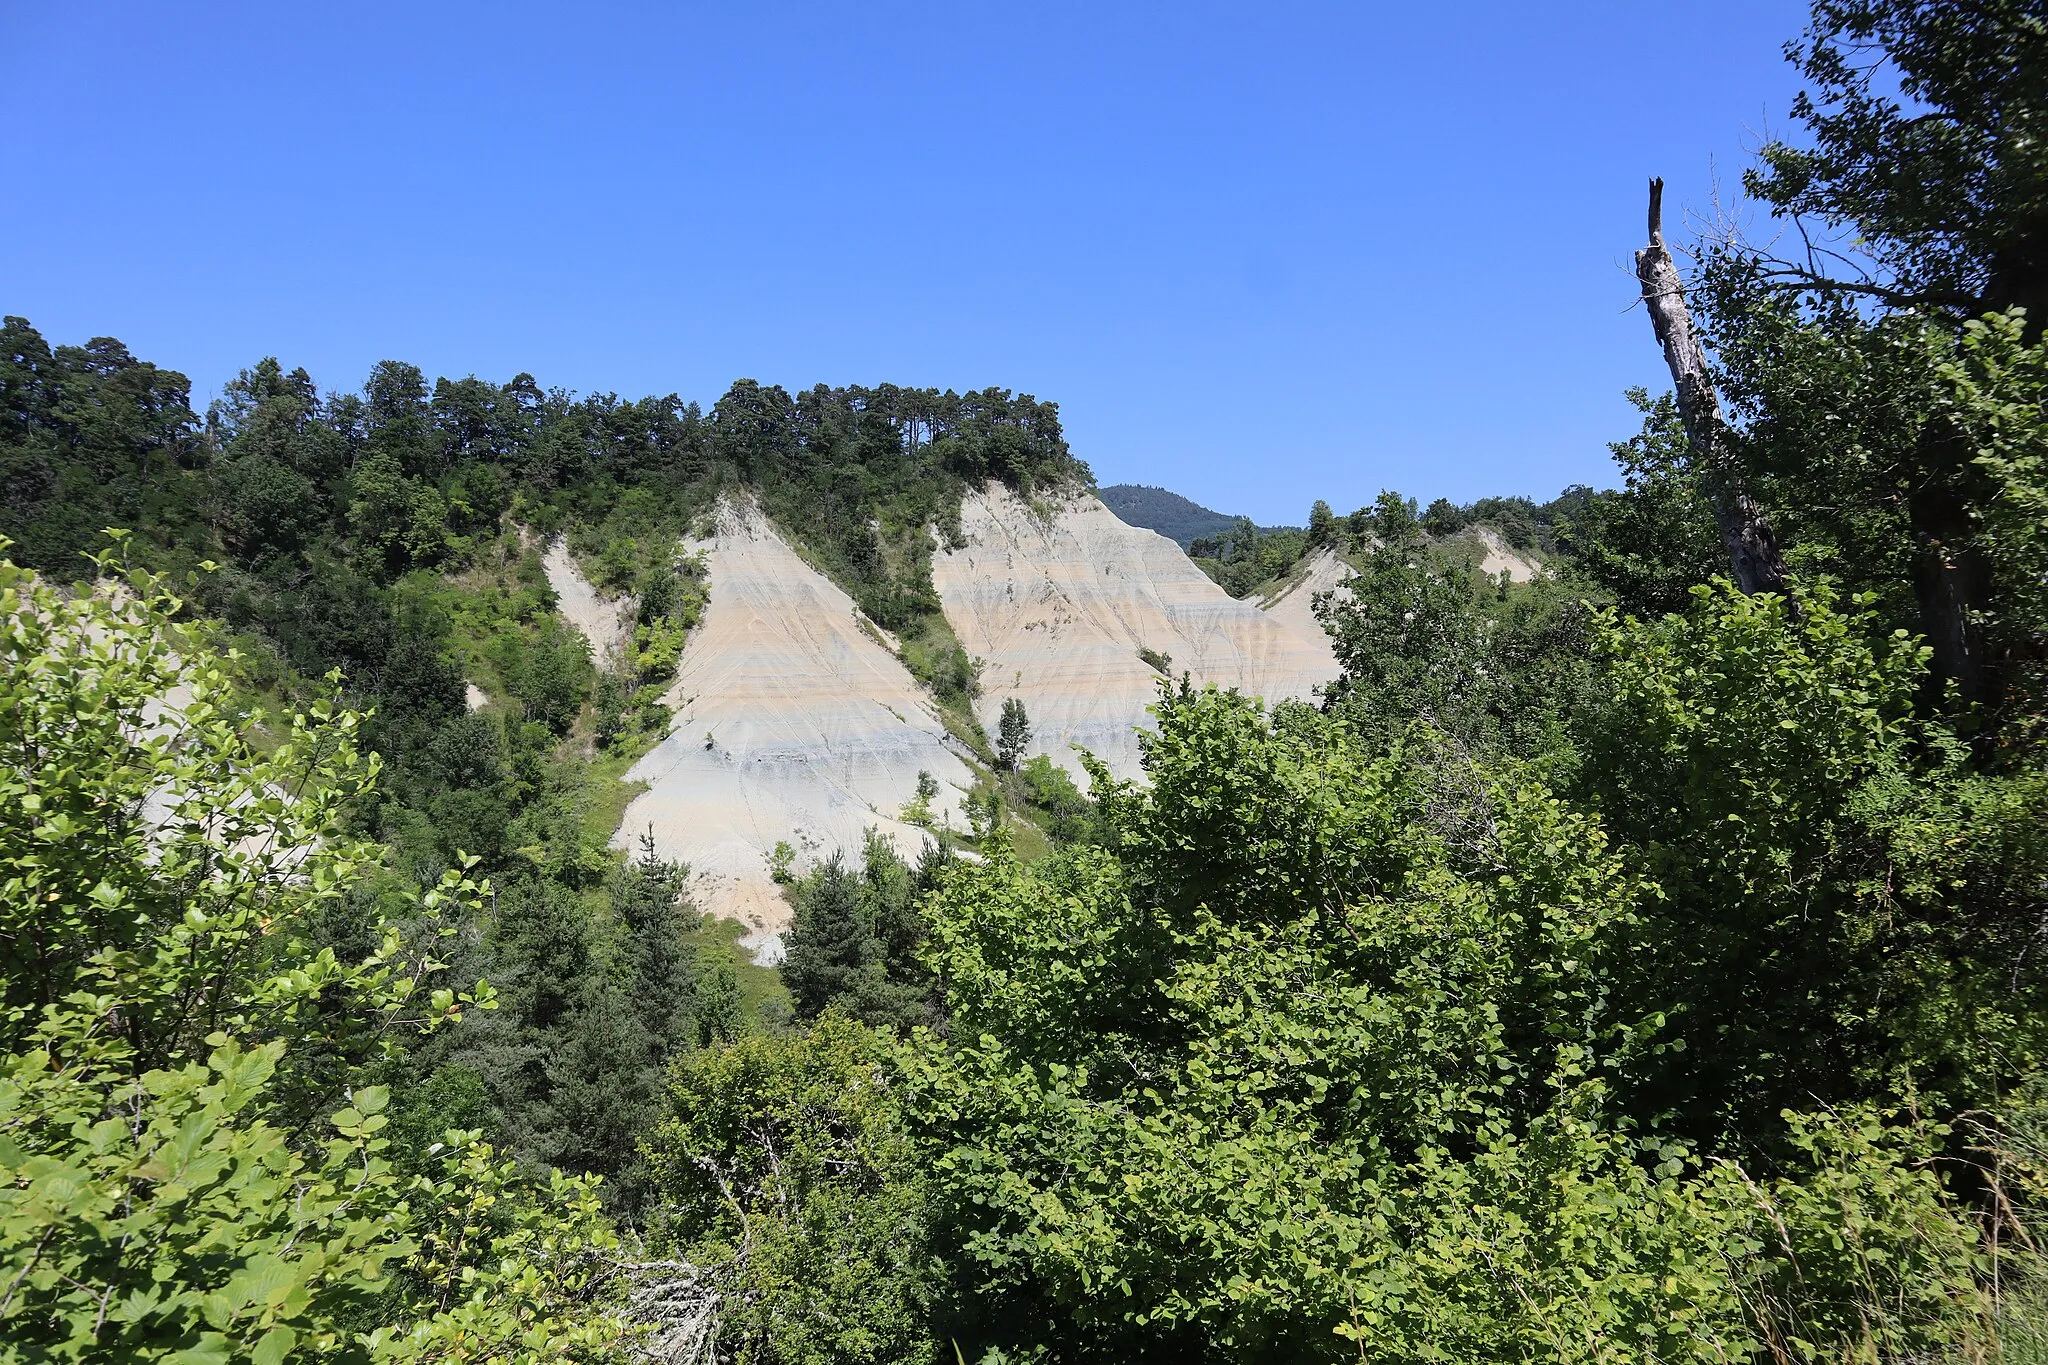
(1500, 557)
(604, 622)
(1060, 606)
(793, 722)
(1294, 604)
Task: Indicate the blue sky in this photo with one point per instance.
(1259, 254)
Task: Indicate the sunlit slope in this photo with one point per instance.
(604, 622)
(1499, 557)
(793, 722)
(1060, 605)
(1293, 604)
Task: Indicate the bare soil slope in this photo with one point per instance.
(793, 721)
(1294, 604)
(1060, 606)
(605, 622)
(1500, 557)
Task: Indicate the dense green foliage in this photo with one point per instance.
(1610, 967)
(353, 490)
(1331, 1049)
(391, 534)
(90, 437)
(1244, 557)
(1889, 380)
(853, 946)
(785, 1164)
(1522, 522)
(1495, 667)
(195, 1163)
(1646, 545)
(1615, 967)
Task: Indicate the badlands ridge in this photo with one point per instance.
(1060, 607)
(795, 720)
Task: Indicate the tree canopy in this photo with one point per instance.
(1611, 965)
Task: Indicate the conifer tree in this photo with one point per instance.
(1322, 526)
(649, 899)
(827, 944)
(854, 945)
(1012, 734)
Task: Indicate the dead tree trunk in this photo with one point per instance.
(1948, 580)
(1752, 547)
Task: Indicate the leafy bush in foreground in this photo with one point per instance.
(192, 1158)
(1337, 1050)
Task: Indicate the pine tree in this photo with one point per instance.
(1322, 526)
(828, 943)
(1013, 733)
(648, 897)
(854, 944)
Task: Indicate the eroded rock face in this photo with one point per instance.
(793, 722)
(605, 622)
(1500, 557)
(796, 721)
(1294, 604)
(1061, 606)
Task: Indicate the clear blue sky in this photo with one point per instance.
(1258, 253)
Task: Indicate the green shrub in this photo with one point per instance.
(788, 1173)
(193, 1165)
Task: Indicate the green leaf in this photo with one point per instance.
(275, 1345)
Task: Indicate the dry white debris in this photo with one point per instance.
(673, 1308)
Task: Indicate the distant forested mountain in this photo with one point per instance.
(1171, 515)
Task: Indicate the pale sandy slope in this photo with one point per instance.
(1059, 608)
(1500, 557)
(604, 622)
(792, 722)
(1294, 604)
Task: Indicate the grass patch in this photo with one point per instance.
(761, 988)
(943, 668)
(1029, 838)
(958, 718)
(606, 792)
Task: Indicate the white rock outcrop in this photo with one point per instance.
(606, 623)
(1059, 606)
(793, 721)
(1500, 557)
(1294, 603)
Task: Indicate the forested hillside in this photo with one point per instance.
(391, 539)
(1638, 962)
(1244, 557)
(1179, 519)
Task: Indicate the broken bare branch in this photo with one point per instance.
(1752, 546)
